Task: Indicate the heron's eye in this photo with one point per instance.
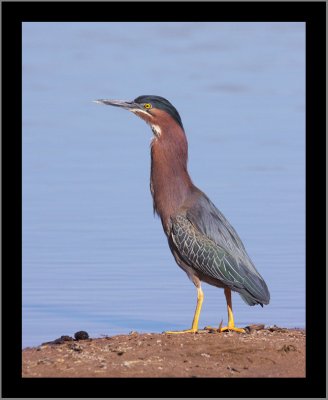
(147, 105)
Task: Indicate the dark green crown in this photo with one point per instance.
(162, 104)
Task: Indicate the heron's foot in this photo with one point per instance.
(230, 327)
(185, 331)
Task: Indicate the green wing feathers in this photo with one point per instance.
(206, 256)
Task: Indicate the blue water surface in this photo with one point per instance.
(94, 256)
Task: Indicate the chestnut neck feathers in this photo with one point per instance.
(170, 182)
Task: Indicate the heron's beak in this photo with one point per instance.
(127, 105)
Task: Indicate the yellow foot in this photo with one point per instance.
(225, 328)
(185, 331)
(231, 328)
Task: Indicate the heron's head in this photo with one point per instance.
(158, 112)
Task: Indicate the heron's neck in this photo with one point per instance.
(170, 182)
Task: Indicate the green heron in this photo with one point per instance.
(202, 241)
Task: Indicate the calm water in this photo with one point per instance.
(94, 256)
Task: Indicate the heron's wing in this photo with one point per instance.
(205, 256)
(213, 224)
(207, 242)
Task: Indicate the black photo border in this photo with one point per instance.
(314, 15)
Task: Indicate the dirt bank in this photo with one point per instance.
(272, 352)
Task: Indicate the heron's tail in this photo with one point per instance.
(255, 290)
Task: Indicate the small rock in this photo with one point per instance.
(81, 335)
(60, 340)
(205, 355)
(253, 328)
(66, 338)
(276, 328)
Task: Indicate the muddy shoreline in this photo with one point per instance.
(259, 353)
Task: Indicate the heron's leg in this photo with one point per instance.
(194, 327)
(231, 322)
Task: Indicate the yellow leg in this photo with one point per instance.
(231, 322)
(194, 327)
